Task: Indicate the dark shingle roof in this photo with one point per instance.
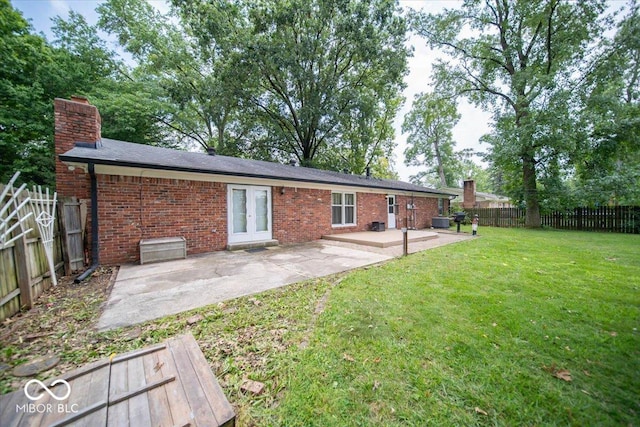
(120, 153)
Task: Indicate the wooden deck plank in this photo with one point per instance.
(87, 390)
(84, 370)
(118, 415)
(138, 405)
(200, 384)
(179, 406)
(202, 411)
(8, 414)
(99, 393)
(89, 415)
(225, 416)
(97, 418)
(42, 418)
(167, 385)
(158, 399)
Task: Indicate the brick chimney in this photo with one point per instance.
(469, 195)
(77, 123)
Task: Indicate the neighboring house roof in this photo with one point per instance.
(480, 196)
(120, 153)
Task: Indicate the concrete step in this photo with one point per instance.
(252, 245)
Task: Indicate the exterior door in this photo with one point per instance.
(249, 216)
(391, 209)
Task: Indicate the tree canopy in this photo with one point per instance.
(608, 160)
(318, 81)
(430, 140)
(321, 82)
(516, 58)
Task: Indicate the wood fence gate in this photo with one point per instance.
(72, 220)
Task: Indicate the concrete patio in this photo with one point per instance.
(150, 291)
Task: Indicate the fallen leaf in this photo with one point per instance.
(346, 357)
(613, 334)
(377, 360)
(587, 373)
(376, 385)
(563, 375)
(480, 411)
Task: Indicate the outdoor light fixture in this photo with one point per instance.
(282, 191)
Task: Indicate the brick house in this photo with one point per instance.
(214, 202)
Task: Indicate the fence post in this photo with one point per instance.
(23, 273)
(63, 238)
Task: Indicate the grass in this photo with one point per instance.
(477, 334)
(483, 332)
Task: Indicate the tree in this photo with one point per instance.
(515, 57)
(77, 62)
(430, 142)
(194, 80)
(26, 119)
(328, 76)
(608, 163)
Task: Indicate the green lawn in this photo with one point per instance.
(515, 327)
(479, 333)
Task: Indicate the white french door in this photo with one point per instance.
(249, 217)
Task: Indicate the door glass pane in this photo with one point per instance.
(239, 211)
(262, 218)
(392, 202)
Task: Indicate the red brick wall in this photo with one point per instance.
(371, 207)
(75, 121)
(134, 208)
(426, 208)
(469, 194)
(302, 215)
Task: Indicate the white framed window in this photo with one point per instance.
(343, 209)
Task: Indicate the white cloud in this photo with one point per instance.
(60, 7)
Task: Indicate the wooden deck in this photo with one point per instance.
(169, 384)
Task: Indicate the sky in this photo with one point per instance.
(473, 124)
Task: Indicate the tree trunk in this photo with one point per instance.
(532, 216)
(443, 178)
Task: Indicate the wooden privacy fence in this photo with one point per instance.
(24, 270)
(617, 219)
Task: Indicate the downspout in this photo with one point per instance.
(95, 248)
